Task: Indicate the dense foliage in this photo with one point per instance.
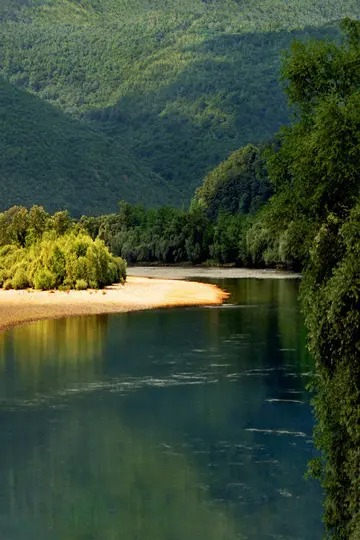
(238, 185)
(165, 235)
(314, 220)
(171, 87)
(48, 252)
(168, 235)
(212, 231)
(331, 299)
(180, 88)
(48, 158)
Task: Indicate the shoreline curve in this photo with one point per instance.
(201, 272)
(137, 294)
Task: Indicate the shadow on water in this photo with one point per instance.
(187, 423)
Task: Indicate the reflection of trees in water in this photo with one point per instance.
(51, 353)
(276, 316)
(2, 351)
(291, 325)
(93, 477)
(251, 291)
(270, 337)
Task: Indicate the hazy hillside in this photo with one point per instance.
(50, 159)
(180, 84)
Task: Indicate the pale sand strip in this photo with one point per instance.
(138, 293)
(179, 272)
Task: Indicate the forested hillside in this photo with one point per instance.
(239, 184)
(51, 159)
(178, 85)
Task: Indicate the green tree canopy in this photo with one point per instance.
(238, 185)
(316, 175)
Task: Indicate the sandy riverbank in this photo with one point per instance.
(178, 272)
(17, 307)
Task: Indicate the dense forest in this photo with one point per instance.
(149, 96)
(213, 231)
(51, 159)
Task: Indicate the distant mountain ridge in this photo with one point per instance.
(176, 85)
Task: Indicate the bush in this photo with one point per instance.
(4, 275)
(20, 279)
(121, 264)
(7, 250)
(44, 280)
(64, 288)
(71, 260)
(81, 285)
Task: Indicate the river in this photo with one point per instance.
(183, 424)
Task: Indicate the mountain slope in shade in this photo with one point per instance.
(50, 159)
(180, 84)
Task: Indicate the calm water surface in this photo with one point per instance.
(188, 424)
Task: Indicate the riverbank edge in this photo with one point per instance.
(18, 307)
(216, 272)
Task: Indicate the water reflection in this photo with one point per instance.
(101, 479)
(273, 308)
(188, 423)
(51, 354)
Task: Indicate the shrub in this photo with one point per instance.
(4, 275)
(44, 280)
(121, 264)
(20, 279)
(70, 260)
(81, 285)
(7, 250)
(64, 288)
(57, 263)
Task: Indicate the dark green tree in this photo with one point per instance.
(238, 185)
(315, 171)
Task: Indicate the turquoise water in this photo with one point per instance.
(165, 425)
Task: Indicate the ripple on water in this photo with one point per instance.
(276, 400)
(115, 385)
(278, 432)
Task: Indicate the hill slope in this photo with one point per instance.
(239, 185)
(50, 159)
(181, 84)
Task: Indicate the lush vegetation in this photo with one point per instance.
(212, 231)
(314, 220)
(47, 158)
(165, 235)
(150, 89)
(311, 222)
(196, 82)
(49, 252)
(238, 185)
